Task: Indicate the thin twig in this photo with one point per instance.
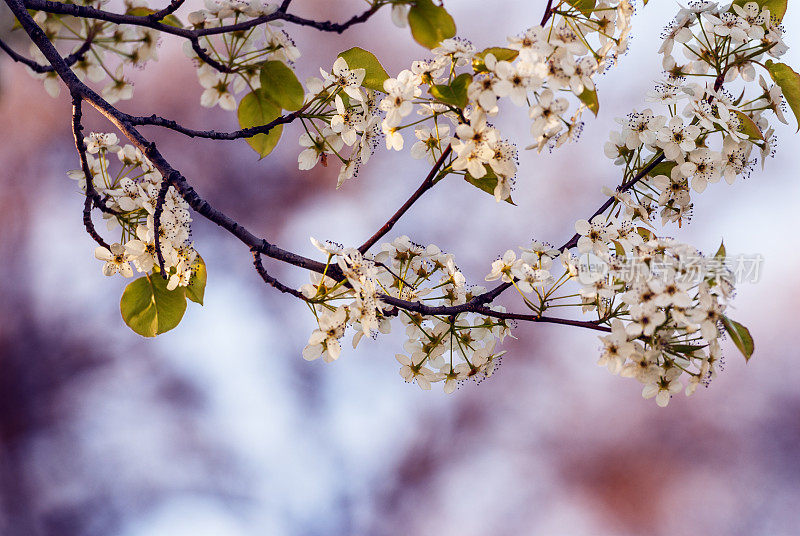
(126, 124)
(162, 197)
(259, 266)
(87, 12)
(154, 120)
(72, 59)
(173, 6)
(91, 194)
(424, 187)
(548, 12)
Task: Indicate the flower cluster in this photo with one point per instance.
(448, 349)
(661, 302)
(239, 53)
(458, 89)
(132, 194)
(113, 49)
(665, 323)
(346, 115)
(706, 134)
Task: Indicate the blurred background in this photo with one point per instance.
(220, 428)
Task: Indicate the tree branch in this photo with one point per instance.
(259, 266)
(87, 12)
(41, 69)
(77, 129)
(126, 124)
(469, 307)
(173, 6)
(426, 185)
(154, 120)
(159, 210)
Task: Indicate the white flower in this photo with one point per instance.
(594, 235)
(503, 268)
(347, 122)
(482, 92)
(400, 15)
(676, 138)
(430, 141)
(729, 25)
(346, 79)
(546, 113)
(703, 165)
(663, 390)
(502, 158)
(98, 141)
(216, 91)
(644, 321)
(412, 370)
(394, 138)
(324, 342)
(118, 89)
(513, 80)
(317, 147)
(616, 348)
(116, 260)
(400, 92)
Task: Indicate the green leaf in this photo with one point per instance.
(197, 286)
(149, 309)
(720, 254)
(281, 86)
(789, 82)
(589, 98)
(740, 336)
(748, 126)
(662, 168)
(777, 8)
(430, 24)
(255, 110)
(685, 348)
(584, 6)
(645, 233)
(500, 54)
(455, 93)
(169, 20)
(487, 183)
(358, 58)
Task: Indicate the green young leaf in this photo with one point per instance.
(256, 109)
(662, 168)
(740, 336)
(358, 58)
(149, 309)
(430, 24)
(499, 53)
(589, 98)
(645, 233)
(169, 20)
(720, 254)
(748, 126)
(486, 183)
(789, 82)
(197, 285)
(281, 86)
(584, 6)
(455, 93)
(777, 8)
(685, 348)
